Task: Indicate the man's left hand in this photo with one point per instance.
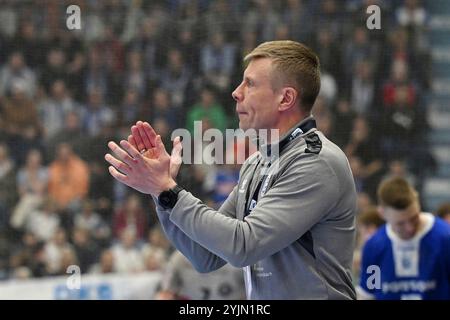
(147, 175)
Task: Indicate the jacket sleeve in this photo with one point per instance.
(299, 198)
(201, 258)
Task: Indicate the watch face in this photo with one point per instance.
(167, 199)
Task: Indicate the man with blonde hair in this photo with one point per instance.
(289, 223)
(409, 257)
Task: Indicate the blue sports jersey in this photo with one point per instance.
(418, 268)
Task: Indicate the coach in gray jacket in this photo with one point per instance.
(290, 226)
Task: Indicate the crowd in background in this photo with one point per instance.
(64, 94)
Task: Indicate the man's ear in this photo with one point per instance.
(288, 98)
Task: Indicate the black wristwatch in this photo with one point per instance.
(168, 198)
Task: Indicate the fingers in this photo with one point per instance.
(119, 165)
(117, 175)
(132, 141)
(150, 133)
(175, 156)
(121, 154)
(160, 146)
(131, 150)
(147, 133)
(137, 138)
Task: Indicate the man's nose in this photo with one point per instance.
(237, 94)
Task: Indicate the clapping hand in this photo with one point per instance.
(142, 161)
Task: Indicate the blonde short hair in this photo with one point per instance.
(294, 64)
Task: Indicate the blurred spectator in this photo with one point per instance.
(358, 173)
(261, 18)
(101, 189)
(399, 80)
(16, 72)
(414, 17)
(54, 110)
(328, 88)
(344, 116)
(443, 211)
(54, 69)
(364, 202)
(86, 250)
(156, 251)
(217, 58)
(362, 88)
(225, 179)
(68, 258)
(368, 223)
(359, 48)
(92, 222)
(322, 114)
(328, 51)
(298, 18)
(96, 115)
(193, 177)
(7, 185)
(19, 121)
(220, 17)
(29, 44)
(182, 282)
(398, 168)
(75, 72)
(149, 43)
(282, 32)
(112, 47)
(27, 259)
(176, 78)
(134, 75)
(186, 41)
(71, 133)
(248, 42)
(400, 120)
(68, 177)
(43, 222)
(207, 109)
(363, 145)
(106, 263)
(131, 109)
(330, 17)
(158, 240)
(127, 257)
(8, 18)
(56, 253)
(162, 107)
(131, 217)
(32, 183)
(96, 76)
(396, 54)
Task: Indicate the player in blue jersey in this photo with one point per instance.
(409, 257)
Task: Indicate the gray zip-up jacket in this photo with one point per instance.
(297, 242)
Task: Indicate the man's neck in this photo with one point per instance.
(285, 125)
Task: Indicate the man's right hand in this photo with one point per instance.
(143, 138)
